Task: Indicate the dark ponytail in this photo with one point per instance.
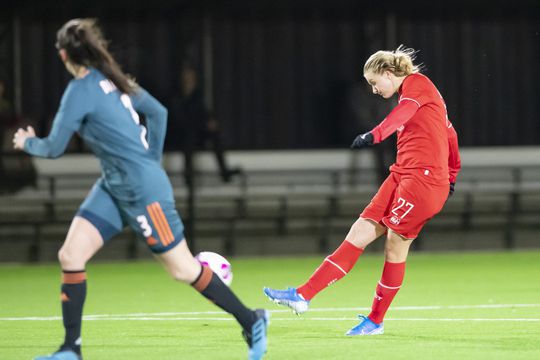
(85, 45)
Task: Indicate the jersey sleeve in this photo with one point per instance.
(397, 117)
(156, 120)
(52, 146)
(454, 159)
(415, 88)
(74, 107)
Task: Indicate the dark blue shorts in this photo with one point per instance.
(154, 220)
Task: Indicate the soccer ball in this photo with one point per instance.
(217, 264)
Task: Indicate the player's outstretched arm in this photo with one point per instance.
(397, 118)
(73, 109)
(51, 147)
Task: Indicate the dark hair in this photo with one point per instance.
(84, 43)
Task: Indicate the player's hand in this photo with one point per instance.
(362, 141)
(452, 186)
(21, 136)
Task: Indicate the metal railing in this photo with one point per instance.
(284, 188)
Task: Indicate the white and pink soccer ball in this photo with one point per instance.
(217, 264)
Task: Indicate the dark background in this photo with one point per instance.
(288, 74)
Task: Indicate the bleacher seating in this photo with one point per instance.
(285, 203)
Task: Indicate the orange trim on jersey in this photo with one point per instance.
(74, 278)
(151, 211)
(168, 230)
(164, 221)
(160, 223)
(151, 241)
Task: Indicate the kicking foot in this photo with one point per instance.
(288, 298)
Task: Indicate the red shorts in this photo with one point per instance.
(404, 203)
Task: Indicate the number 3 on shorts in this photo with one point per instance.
(145, 226)
(401, 203)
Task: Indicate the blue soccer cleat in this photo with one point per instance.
(256, 338)
(288, 298)
(60, 355)
(366, 327)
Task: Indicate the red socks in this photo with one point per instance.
(337, 265)
(333, 268)
(391, 280)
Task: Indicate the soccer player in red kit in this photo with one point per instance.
(420, 182)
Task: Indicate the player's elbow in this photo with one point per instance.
(54, 156)
(55, 153)
(51, 150)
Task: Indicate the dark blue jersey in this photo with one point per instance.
(108, 122)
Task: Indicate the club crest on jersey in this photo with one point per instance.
(395, 220)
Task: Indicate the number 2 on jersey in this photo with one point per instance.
(401, 203)
(127, 103)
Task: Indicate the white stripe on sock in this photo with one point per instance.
(389, 287)
(336, 265)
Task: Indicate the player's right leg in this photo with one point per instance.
(364, 231)
(332, 269)
(82, 242)
(85, 237)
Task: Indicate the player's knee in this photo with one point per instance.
(65, 257)
(68, 259)
(396, 248)
(392, 254)
(178, 275)
(182, 274)
(363, 232)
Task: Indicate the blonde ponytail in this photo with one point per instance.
(400, 62)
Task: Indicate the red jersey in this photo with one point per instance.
(426, 140)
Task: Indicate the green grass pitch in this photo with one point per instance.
(452, 306)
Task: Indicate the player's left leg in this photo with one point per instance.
(182, 266)
(415, 202)
(396, 250)
(159, 223)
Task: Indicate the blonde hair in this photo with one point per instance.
(400, 62)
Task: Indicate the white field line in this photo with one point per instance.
(58, 318)
(202, 315)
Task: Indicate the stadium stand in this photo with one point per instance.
(287, 202)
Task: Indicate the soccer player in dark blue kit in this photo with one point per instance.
(102, 104)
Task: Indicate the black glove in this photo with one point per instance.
(362, 141)
(451, 192)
